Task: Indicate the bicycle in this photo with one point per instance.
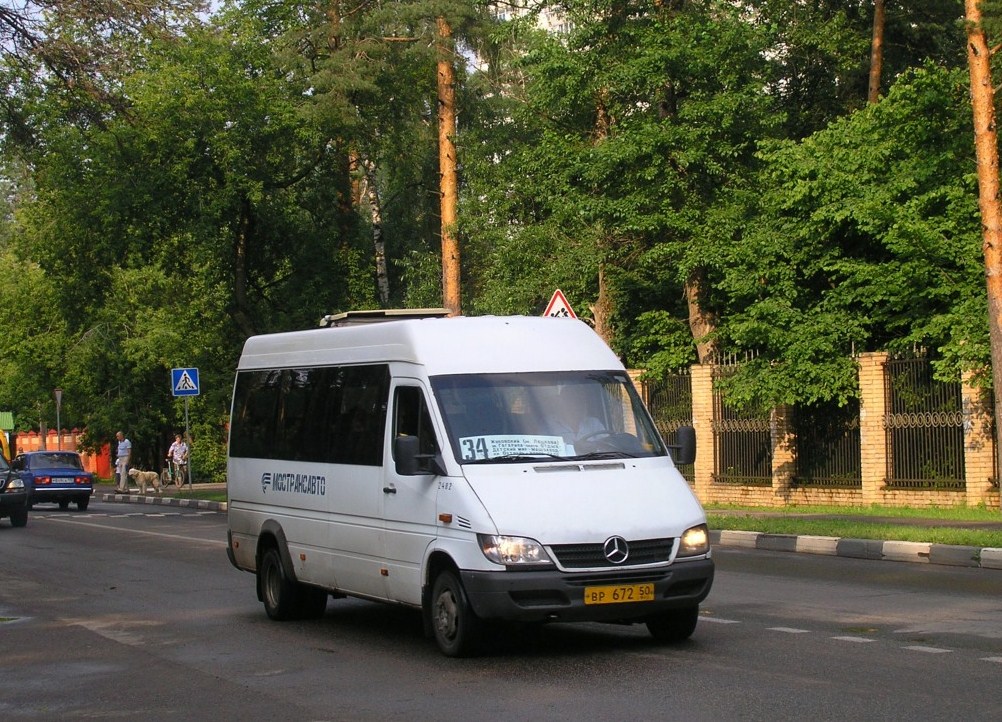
(174, 473)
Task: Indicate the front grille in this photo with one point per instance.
(592, 556)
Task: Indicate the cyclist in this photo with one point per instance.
(177, 458)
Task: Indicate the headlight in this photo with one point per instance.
(15, 485)
(695, 541)
(511, 550)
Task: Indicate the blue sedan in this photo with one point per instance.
(56, 477)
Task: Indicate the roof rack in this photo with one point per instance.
(379, 315)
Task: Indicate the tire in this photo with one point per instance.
(283, 598)
(64, 504)
(674, 626)
(457, 629)
(19, 517)
(82, 504)
(278, 592)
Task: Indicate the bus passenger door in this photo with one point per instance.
(409, 502)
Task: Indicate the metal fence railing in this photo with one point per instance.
(924, 426)
(742, 443)
(924, 433)
(828, 445)
(670, 403)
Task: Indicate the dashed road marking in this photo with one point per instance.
(788, 630)
(854, 639)
(928, 650)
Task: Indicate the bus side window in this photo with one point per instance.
(411, 418)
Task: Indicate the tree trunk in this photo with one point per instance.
(601, 311)
(876, 51)
(449, 186)
(241, 243)
(701, 322)
(987, 154)
(378, 245)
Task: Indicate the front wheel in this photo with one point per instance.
(19, 517)
(675, 626)
(285, 598)
(457, 628)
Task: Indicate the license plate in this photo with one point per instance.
(619, 594)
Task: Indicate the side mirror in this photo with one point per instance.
(683, 451)
(410, 462)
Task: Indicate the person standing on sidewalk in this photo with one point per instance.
(122, 456)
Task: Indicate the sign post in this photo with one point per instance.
(59, 426)
(184, 382)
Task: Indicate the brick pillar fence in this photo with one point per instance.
(872, 435)
(979, 449)
(702, 421)
(784, 452)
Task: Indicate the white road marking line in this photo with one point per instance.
(854, 639)
(788, 630)
(718, 620)
(929, 650)
(213, 542)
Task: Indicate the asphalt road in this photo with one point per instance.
(132, 611)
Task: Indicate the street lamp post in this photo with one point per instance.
(59, 427)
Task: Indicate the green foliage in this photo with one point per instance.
(863, 236)
(607, 150)
(203, 187)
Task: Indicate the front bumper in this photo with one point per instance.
(555, 596)
(12, 501)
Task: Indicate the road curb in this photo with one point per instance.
(165, 501)
(897, 551)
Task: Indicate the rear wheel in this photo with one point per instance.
(19, 517)
(458, 630)
(675, 626)
(64, 504)
(82, 503)
(277, 590)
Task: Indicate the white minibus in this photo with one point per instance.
(480, 469)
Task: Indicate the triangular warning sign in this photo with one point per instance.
(185, 383)
(558, 306)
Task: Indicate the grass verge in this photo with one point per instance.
(960, 526)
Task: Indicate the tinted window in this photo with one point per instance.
(323, 414)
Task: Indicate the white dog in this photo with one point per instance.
(142, 478)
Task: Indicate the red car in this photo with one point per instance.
(56, 477)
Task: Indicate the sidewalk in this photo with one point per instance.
(898, 551)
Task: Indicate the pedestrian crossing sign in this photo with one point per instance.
(558, 306)
(184, 382)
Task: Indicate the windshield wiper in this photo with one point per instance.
(515, 458)
(604, 455)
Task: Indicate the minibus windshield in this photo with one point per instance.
(499, 418)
